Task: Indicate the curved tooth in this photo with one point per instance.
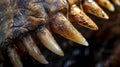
(91, 7)
(14, 57)
(81, 18)
(48, 41)
(117, 2)
(107, 4)
(33, 50)
(63, 27)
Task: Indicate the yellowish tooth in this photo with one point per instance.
(107, 4)
(33, 50)
(117, 2)
(81, 18)
(71, 2)
(48, 41)
(62, 26)
(14, 57)
(91, 7)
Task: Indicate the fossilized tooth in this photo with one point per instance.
(59, 24)
(33, 50)
(91, 7)
(55, 5)
(48, 41)
(107, 4)
(81, 18)
(71, 2)
(117, 2)
(14, 57)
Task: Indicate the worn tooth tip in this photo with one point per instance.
(61, 54)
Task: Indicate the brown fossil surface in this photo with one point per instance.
(28, 26)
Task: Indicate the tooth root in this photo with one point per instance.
(14, 57)
(48, 41)
(62, 26)
(107, 4)
(81, 18)
(92, 8)
(33, 50)
(117, 2)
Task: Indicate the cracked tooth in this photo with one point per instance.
(14, 57)
(91, 7)
(81, 18)
(117, 2)
(107, 4)
(48, 41)
(62, 26)
(33, 50)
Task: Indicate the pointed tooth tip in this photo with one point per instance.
(61, 54)
(85, 43)
(112, 8)
(44, 61)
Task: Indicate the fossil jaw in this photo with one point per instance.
(58, 23)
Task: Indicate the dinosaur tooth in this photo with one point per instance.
(60, 25)
(48, 41)
(81, 18)
(14, 57)
(117, 2)
(93, 8)
(107, 4)
(33, 50)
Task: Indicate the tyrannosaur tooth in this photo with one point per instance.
(14, 57)
(117, 2)
(60, 25)
(107, 4)
(81, 18)
(33, 50)
(48, 41)
(92, 8)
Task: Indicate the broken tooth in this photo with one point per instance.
(81, 18)
(48, 41)
(107, 4)
(33, 50)
(14, 57)
(92, 8)
(117, 2)
(62, 26)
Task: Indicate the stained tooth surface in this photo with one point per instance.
(48, 41)
(81, 18)
(117, 2)
(33, 50)
(14, 57)
(62, 26)
(92, 8)
(107, 4)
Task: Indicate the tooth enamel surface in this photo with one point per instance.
(48, 41)
(33, 50)
(20, 19)
(14, 57)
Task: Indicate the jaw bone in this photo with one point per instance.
(33, 50)
(48, 41)
(59, 24)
